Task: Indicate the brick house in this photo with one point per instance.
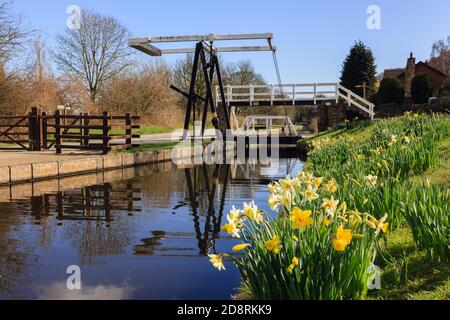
(406, 75)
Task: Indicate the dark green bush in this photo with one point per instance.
(391, 91)
(421, 88)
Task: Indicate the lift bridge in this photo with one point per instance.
(222, 100)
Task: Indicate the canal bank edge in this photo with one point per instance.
(10, 175)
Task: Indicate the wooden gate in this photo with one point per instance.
(22, 132)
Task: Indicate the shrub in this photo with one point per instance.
(390, 91)
(421, 88)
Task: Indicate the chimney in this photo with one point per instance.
(410, 73)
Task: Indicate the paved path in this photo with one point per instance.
(168, 137)
(12, 158)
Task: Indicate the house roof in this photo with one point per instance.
(393, 73)
(426, 65)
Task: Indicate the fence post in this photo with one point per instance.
(81, 130)
(58, 131)
(86, 129)
(44, 130)
(105, 132)
(34, 132)
(128, 130)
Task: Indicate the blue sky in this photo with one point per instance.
(313, 37)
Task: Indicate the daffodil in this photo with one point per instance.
(217, 260)
(274, 202)
(232, 230)
(343, 239)
(372, 180)
(240, 247)
(295, 238)
(311, 194)
(393, 141)
(330, 206)
(331, 186)
(234, 217)
(382, 225)
(301, 219)
(251, 211)
(339, 245)
(295, 262)
(286, 198)
(318, 182)
(273, 245)
(377, 151)
(289, 184)
(274, 187)
(345, 235)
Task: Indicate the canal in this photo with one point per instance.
(141, 238)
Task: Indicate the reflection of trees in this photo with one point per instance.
(162, 188)
(14, 253)
(96, 228)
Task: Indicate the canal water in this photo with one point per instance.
(143, 238)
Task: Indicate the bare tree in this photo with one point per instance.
(440, 55)
(144, 91)
(12, 35)
(242, 74)
(94, 53)
(182, 74)
(43, 86)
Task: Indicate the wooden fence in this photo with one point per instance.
(37, 131)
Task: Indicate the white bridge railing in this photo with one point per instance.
(313, 93)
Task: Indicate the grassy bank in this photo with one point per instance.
(407, 270)
(396, 169)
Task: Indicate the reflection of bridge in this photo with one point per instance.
(293, 95)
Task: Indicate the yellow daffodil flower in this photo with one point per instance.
(318, 182)
(330, 206)
(240, 247)
(344, 235)
(372, 180)
(232, 230)
(311, 194)
(301, 219)
(274, 245)
(217, 260)
(251, 212)
(274, 187)
(274, 202)
(331, 186)
(295, 262)
(286, 198)
(339, 245)
(295, 238)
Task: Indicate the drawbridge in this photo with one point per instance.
(222, 101)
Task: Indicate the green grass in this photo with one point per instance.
(146, 129)
(439, 175)
(407, 273)
(151, 147)
(357, 130)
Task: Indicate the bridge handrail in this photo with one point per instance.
(291, 93)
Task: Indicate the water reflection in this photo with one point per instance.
(92, 203)
(143, 238)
